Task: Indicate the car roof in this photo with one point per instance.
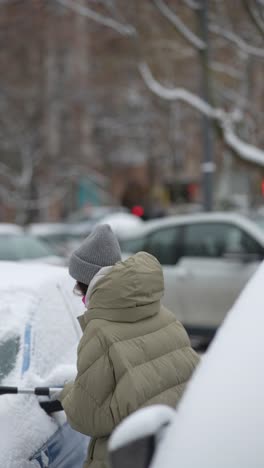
(179, 220)
(8, 228)
(46, 229)
(221, 414)
(31, 276)
(122, 223)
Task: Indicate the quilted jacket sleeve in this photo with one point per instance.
(86, 401)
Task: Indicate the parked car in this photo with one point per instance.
(60, 237)
(258, 218)
(122, 224)
(83, 221)
(39, 334)
(64, 238)
(220, 420)
(207, 259)
(16, 245)
(9, 228)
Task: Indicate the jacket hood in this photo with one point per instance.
(129, 292)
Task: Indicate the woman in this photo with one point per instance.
(133, 351)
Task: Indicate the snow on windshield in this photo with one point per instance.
(15, 310)
(37, 305)
(48, 315)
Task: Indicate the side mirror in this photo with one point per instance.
(136, 454)
(134, 441)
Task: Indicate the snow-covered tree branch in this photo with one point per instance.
(195, 5)
(248, 49)
(254, 15)
(123, 29)
(226, 120)
(180, 25)
(225, 69)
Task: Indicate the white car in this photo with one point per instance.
(207, 259)
(39, 334)
(220, 419)
(59, 237)
(17, 245)
(83, 221)
(123, 224)
(9, 228)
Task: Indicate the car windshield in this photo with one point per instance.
(9, 348)
(22, 246)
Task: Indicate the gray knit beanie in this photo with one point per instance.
(99, 249)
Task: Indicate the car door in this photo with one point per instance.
(166, 245)
(218, 260)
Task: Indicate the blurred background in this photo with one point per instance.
(146, 115)
(145, 107)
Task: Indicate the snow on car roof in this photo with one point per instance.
(221, 414)
(28, 275)
(6, 228)
(122, 223)
(234, 218)
(43, 229)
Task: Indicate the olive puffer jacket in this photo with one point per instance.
(133, 353)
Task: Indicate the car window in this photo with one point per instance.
(6, 251)
(165, 245)
(132, 245)
(217, 239)
(19, 247)
(8, 354)
(243, 243)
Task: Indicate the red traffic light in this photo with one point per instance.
(137, 210)
(262, 187)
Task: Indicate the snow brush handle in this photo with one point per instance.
(4, 390)
(41, 391)
(48, 406)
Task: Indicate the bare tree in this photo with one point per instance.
(72, 99)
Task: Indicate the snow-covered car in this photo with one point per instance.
(60, 237)
(123, 224)
(10, 228)
(64, 238)
(16, 245)
(207, 259)
(83, 221)
(220, 419)
(39, 335)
